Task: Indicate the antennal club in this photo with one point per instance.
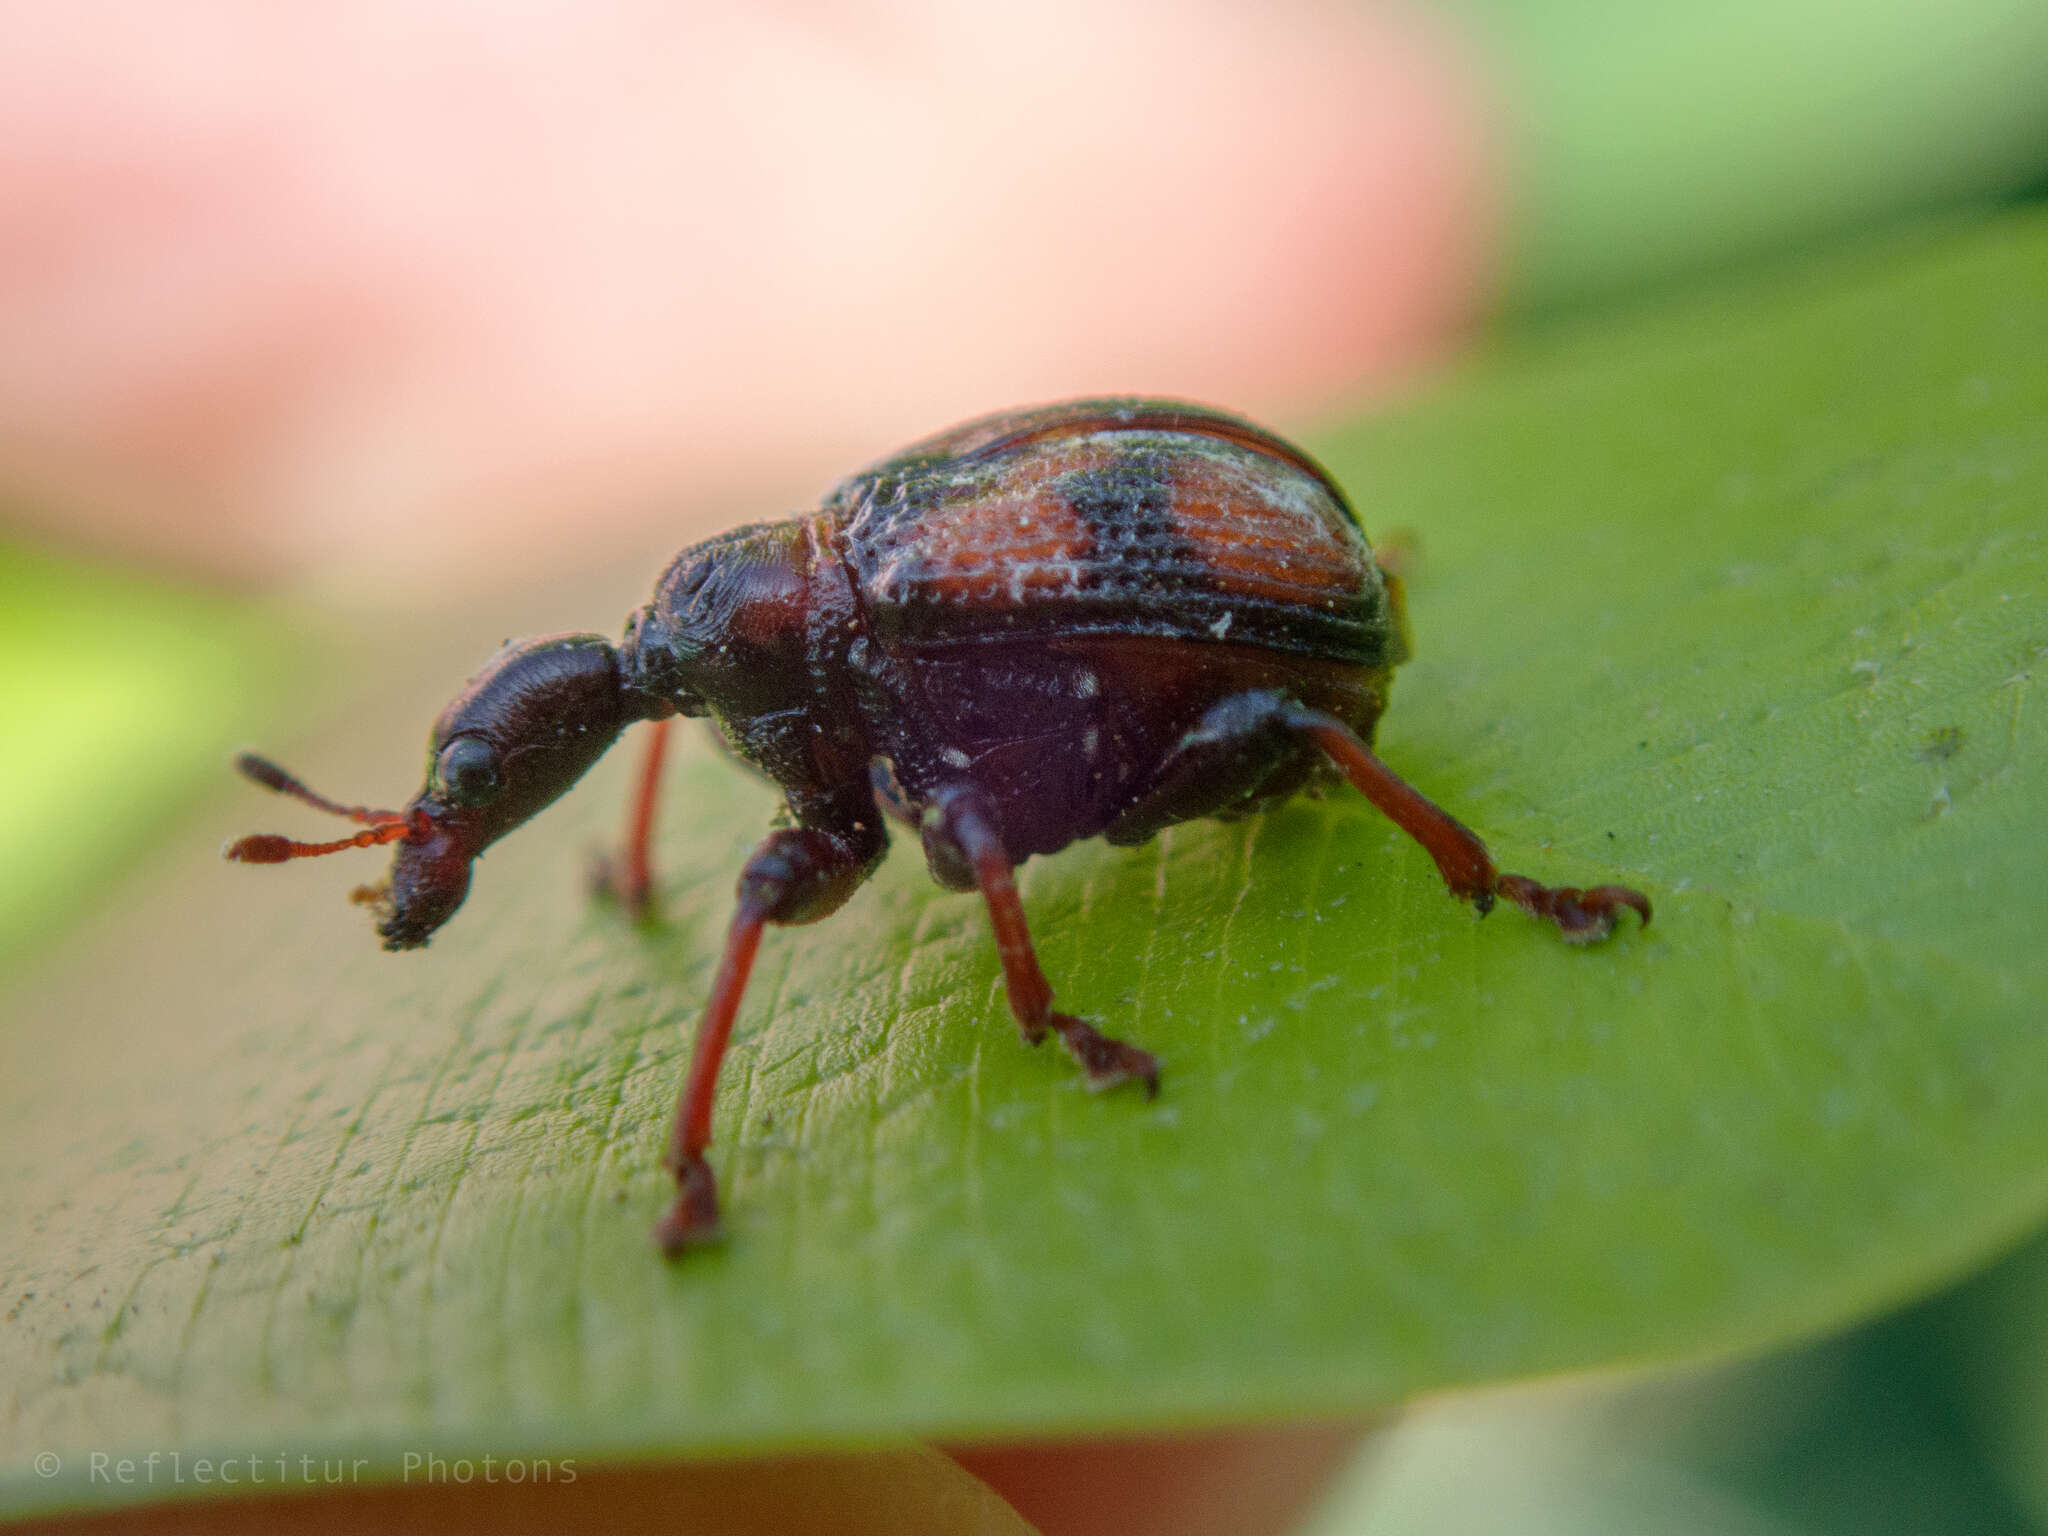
(269, 848)
(261, 770)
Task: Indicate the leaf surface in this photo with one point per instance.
(1741, 600)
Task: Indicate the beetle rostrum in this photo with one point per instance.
(1091, 619)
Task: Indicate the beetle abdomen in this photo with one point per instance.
(1113, 516)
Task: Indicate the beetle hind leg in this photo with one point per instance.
(1582, 916)
(1243, 749)
(963, 822)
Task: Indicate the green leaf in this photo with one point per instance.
(1739, 601)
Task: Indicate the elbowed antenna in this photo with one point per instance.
(269, 848)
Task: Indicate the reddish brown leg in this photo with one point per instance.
(692, 1219)
(1583, 916)
(797, 875)
(630, 876)
(1104, 1062)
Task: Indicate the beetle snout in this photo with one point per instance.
(429, 878)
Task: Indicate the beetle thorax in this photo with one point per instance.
(726, 633)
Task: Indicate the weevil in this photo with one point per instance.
(1100, 618)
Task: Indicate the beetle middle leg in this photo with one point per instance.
(796, 875)
(961, 819)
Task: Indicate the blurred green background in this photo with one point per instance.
(1655, 140)
(1657, 148)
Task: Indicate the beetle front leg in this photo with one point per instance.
(1582, 916)
(963, 820)
(629, 877)
(796, 875)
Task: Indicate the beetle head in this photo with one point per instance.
(518, 734)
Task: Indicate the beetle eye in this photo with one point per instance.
(468, 772)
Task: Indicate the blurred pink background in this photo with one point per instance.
(402, 291)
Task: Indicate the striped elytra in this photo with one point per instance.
(1114, 516)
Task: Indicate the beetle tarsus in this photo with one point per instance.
(691, 1221)
(1106, 1062)
(1582, 916)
